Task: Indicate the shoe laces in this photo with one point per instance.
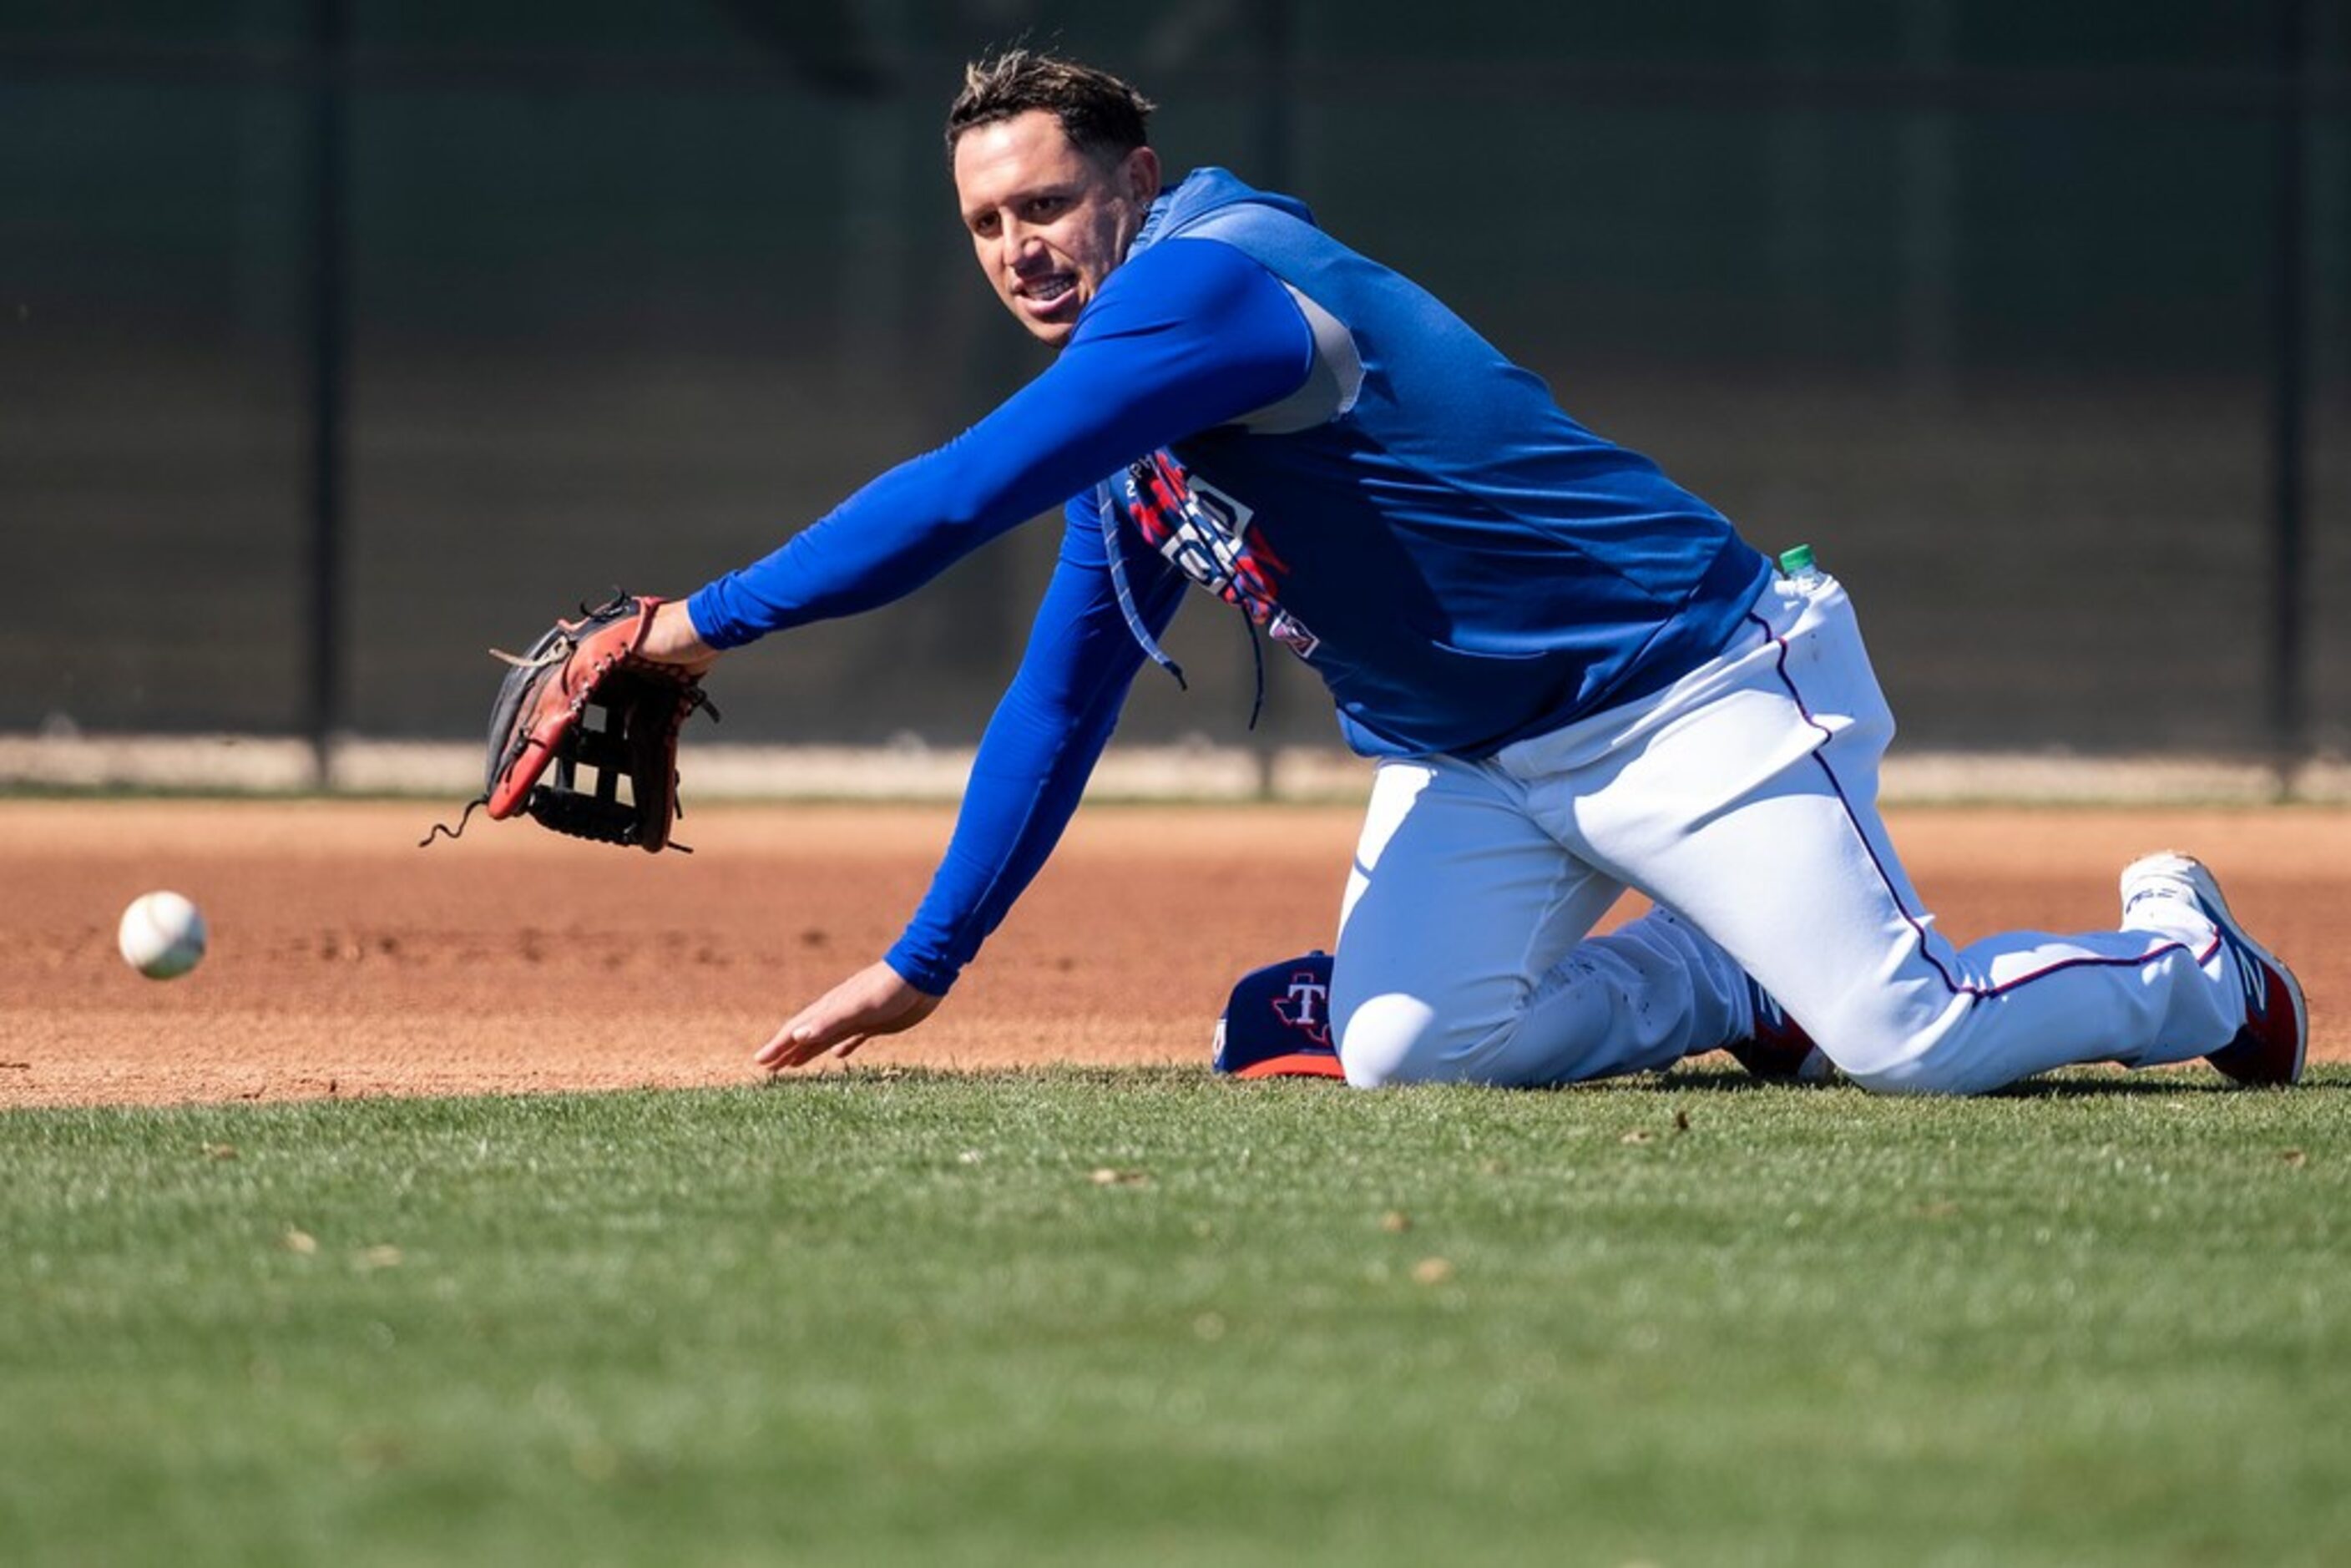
(2170, 891)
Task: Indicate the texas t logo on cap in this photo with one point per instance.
(1278, 1022)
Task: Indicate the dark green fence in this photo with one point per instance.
(339, 341)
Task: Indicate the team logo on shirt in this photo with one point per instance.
(1206, 534)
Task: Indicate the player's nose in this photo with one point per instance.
(1023, 249)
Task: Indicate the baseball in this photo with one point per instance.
(161, 935)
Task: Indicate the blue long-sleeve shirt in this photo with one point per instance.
(1376, 485)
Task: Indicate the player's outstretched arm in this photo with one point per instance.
(1188, 336)
(874, 1001)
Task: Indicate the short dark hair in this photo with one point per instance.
(1099, 114)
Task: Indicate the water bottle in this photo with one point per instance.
(1796, 564)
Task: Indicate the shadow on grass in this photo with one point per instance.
(2078, 1084)
(2153, 1084)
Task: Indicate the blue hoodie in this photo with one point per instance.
(1338, 453)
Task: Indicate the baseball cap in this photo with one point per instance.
(1278, 1022)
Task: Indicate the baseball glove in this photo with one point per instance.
(613, 779)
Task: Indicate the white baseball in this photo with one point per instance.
(161, 935)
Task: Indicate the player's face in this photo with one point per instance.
(1048, 221)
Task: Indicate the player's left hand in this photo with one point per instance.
(550, 760)
(671, 639)
(874, 1001)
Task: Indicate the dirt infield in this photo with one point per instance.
(347, 961)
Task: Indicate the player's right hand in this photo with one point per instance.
(875, 1000)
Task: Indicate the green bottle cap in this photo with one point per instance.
(1796, 559)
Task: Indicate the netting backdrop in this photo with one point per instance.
(1980, 299)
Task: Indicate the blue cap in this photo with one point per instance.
(1278, 1022)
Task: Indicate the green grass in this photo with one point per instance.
(1122, 1317)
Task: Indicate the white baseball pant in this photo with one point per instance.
(1742, 801)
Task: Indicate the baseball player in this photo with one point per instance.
(1576, 676)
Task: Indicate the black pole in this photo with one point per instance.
(2289, 392)
(330, 356)
(1278, 41)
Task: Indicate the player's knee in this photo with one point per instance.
(1397, 1039)
(1900, 1080)
(1926, 1075)
(1389, 1040)
(1912, 1042)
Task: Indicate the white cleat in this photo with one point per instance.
(2275, 1039)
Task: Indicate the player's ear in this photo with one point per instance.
(1140, 175)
